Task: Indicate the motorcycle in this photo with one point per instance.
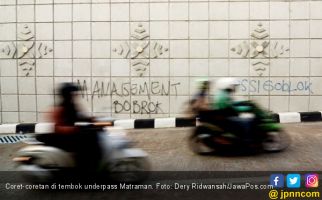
(215, 133)
(120, 161)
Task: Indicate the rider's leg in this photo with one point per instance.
(242, 127)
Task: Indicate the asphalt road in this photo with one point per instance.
(168, 151)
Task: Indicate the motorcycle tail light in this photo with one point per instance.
(22, 159)
(103, 123)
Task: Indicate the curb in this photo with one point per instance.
(287, 117)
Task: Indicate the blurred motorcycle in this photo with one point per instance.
(120, 161)
(215, 133)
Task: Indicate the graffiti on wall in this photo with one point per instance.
(105, 89)
(284, 86)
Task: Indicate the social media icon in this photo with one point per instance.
(277, 180)
(311, 180)
(293, 181)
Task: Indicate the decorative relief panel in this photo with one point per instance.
(138, 50)
(26, 50)
(260, 48)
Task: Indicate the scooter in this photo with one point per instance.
(215, 134)
(120, 161)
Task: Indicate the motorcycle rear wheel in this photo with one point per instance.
(276, 141)
(131, 170)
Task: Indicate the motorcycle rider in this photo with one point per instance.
(224, 102)
(67, 113)
(200, 101)
(224, 99)
(81, 140)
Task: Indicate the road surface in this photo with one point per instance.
(168, 151)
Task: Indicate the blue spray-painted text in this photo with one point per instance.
(258, 86)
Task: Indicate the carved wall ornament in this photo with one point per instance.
(27, 66)
(139, 33)
(278, 50)
(26, 48)
(43, 50)
(140, 50)
(26, 33)
(259, 32)
(157, 50)
(260, 48)
(9, 50)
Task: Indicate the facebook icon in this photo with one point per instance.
(277, 180)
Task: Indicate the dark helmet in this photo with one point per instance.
(67, 89)
(203, 83)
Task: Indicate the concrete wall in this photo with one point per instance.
(140, 58)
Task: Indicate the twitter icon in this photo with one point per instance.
(293, 180)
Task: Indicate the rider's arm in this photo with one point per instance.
(242, 108)
(60, 126)
(84, 118)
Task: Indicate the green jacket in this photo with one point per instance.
(223, 100)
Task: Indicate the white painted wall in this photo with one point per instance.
(141, 53)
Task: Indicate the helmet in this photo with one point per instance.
(203, 83)
(227, 83)
(66, 89)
